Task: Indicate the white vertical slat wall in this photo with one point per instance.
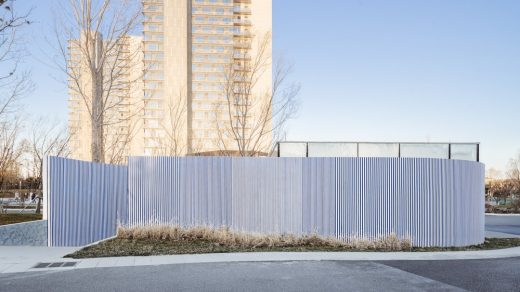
(84, 201)
(435, 202)
(185, 191)
(267, 195)
(319, 196)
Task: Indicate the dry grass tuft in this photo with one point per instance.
(225, 237)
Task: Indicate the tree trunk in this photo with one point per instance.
(39, 206)
(96, 71)
(39, 182)
(97, 148)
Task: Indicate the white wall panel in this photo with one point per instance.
(84, 201)
(186, 191)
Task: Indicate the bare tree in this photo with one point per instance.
(46, 139)
(255, 116)
(94, 40)
(10, 149)
(513, 173)
(500, 190)
(13, 84)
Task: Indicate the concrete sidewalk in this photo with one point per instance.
(23, 259)
(17, 258)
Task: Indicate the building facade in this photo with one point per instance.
(189, 49)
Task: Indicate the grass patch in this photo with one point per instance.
(168, 240)
(18, 218)
(489, 243)
(10, 193)
(120, 247)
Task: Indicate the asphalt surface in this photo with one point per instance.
(472, 275)
(504, 224)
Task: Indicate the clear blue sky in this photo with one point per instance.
(375, 70)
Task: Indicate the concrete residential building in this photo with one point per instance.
(187, 48)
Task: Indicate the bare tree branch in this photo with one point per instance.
(255, 116)
(173, 142)
(13, 85)
(513, 170)
(10, 149)
(94, 40)
(47, 139)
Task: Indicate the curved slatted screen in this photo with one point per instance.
(435, 202)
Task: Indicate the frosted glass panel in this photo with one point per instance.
(425, 150)
(332, 150)
(464, 152)
(378, 150)
(461, 151)
(293, 149)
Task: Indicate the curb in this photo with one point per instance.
(504, 214)
(316, 256)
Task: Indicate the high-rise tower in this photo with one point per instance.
(189, 46)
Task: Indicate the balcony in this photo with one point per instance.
(245, 22)
(242, 45)
(241, 10)
(245, 34)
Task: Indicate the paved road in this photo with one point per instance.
(504, 224)
(472, 275)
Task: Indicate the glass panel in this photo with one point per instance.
(293, 149)
(378, 150)
(332, 150)
(425, 150)
(464, 152)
